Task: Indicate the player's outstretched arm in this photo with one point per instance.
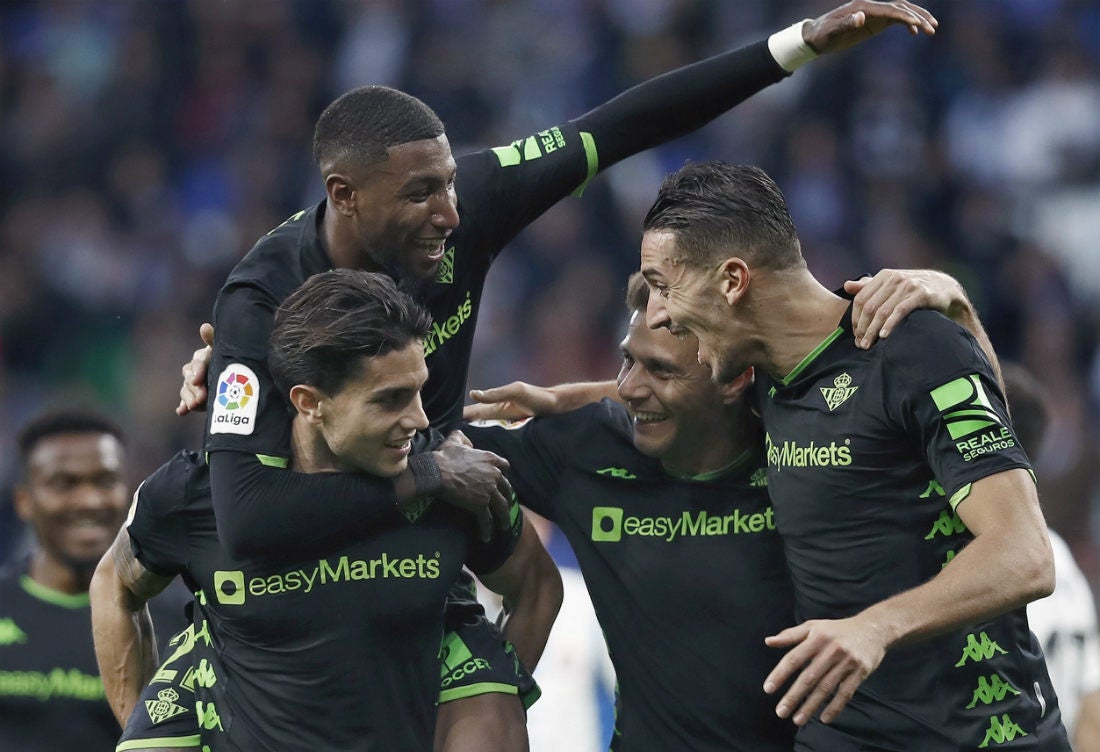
(1008, 564)
(519, 400)
(688, 98)
(125, 645)
(883, 301)
(530, 584)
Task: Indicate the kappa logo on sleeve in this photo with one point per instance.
(235, 401)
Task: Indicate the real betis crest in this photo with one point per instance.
(415, 508)
(446, 273)
(839, 393)
(165, 706)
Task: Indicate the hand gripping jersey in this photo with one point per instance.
(686, 575)
(869, 454)
(336, 652)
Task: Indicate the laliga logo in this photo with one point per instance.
(235, 391)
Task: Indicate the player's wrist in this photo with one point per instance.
(789, 47)
(427, 478)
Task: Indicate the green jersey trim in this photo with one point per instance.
(736, 462)
(272, 461)
(56, 597)
(593, 158)
(473, 690)
(170, 742)
(786, 380)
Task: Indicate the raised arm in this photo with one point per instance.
(125, 645)
(530, 584)
(519, 400)
(685, 99)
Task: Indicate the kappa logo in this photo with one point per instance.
(1001, 730)
(617, 472)
(446, 273)
(991, 690)
(236, 400)
(164, 707)
(978, 650)
(839, 392)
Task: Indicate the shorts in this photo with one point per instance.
(164, 716)
(475, 659)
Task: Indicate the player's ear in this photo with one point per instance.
(734, 279)
(735, 389)
(341, 193)
(308, 401)
(21, 498)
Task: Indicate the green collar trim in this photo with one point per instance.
(786, 380)
(56, 597)
(736, 462)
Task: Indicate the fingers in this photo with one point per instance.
(815, 691)
(915, 17)
(499, 506)
(847, 689)
(206, 331)
(484, 524)
(790, 662)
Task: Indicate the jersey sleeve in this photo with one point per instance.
(950, 403)
(534, 450)
(157, 525)
(246, 412)
(505, 188)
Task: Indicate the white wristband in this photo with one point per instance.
(789, 48)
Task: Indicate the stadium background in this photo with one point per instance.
(147, 145)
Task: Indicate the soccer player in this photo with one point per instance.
(392, 205)
(73, 494)
(333, 652)
(908, 513)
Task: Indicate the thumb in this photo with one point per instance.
(206, 331)
(855, 21)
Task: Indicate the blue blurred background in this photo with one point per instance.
(147, 145)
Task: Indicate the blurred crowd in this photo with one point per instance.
(147, 145)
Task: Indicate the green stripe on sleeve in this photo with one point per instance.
(272, 461)
(171, 742)
(593, 161)
(958, 496)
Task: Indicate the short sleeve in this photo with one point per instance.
(157, 524)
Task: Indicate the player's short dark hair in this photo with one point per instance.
(1027, 402)
(359, 126)
(63, 421)
(717, 210)
(637, 293)
(334, 320)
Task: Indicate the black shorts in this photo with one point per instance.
(164, 716)
(475, 659)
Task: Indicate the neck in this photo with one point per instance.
(309, 452)
(341, 243)
(726, 442)
(46, 570)
(793, 315)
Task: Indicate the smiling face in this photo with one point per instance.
(75, 496)
(405, 208)
(678, 412)
(368, 425)
(689, 302)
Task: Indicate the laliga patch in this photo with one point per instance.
(235, 400)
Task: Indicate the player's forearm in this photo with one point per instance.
(992, 575)
(125, 647)
(281, 514)
(678, 102)
(531, 586)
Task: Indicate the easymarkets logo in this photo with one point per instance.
(792, 454)
(232, 587)
(610, 524)
(443, 331)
